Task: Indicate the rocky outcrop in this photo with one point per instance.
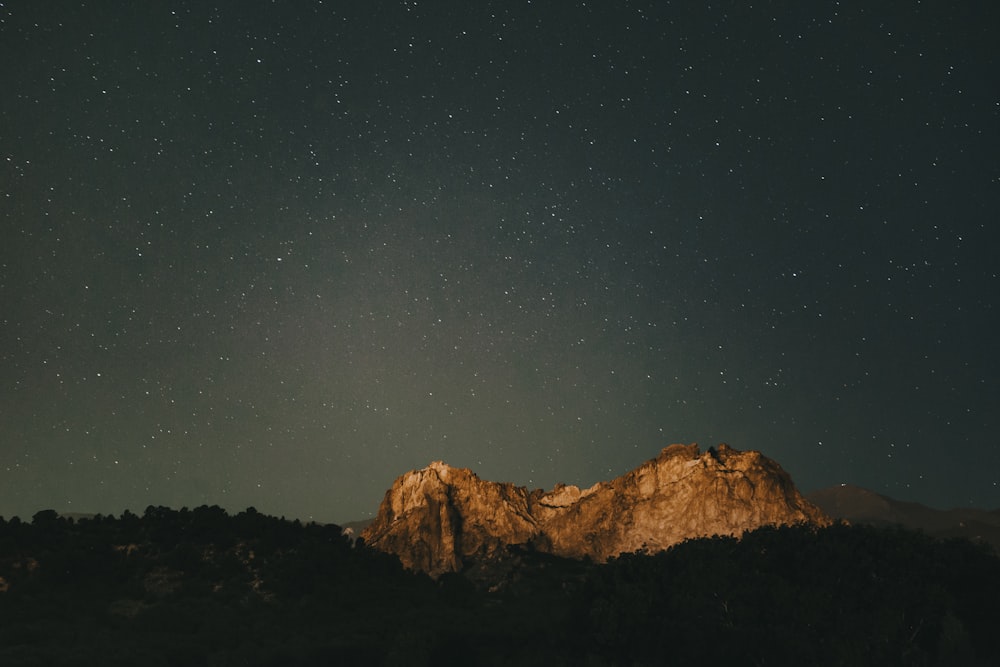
(436, 518)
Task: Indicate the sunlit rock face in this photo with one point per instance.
(679, 495)
(435, 518)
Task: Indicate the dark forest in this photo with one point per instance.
(202, 587)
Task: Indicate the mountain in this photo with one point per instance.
(859, 505)
(439, 518)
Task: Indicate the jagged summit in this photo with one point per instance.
(436, 518)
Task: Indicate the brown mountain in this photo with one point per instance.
(437, 518)
(859, 505)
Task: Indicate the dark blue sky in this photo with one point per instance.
(276, 254)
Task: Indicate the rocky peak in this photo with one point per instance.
(436, 518)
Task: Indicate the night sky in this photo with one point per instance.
(275, 254)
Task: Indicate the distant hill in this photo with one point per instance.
(859, 505)
(353, 529)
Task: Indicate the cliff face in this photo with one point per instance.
(435, 518)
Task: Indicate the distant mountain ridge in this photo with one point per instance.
(437, 518)
(860, 505)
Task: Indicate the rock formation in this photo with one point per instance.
(436, 518)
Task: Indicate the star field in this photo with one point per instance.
(276, 254)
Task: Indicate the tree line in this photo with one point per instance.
(202, 587)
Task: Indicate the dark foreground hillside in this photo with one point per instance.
(200, 587)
